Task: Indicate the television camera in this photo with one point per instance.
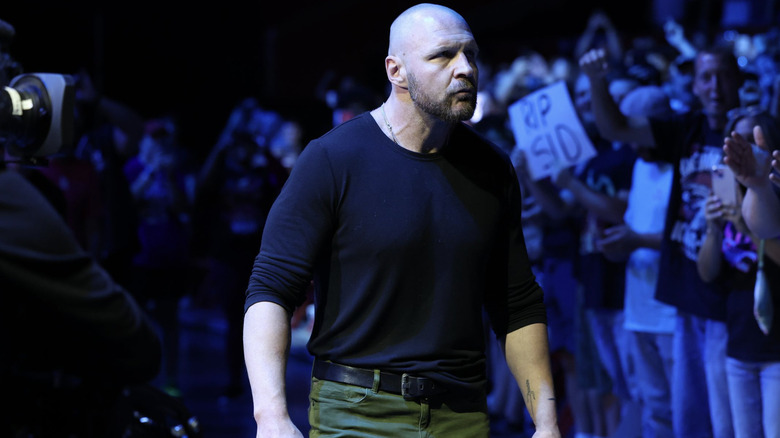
(37, 115)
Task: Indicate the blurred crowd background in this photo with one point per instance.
(198, 62)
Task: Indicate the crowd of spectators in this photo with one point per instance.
(596, 231)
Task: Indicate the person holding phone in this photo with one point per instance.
(730, 254)
(724, 185)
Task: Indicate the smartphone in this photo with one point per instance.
(724, 185)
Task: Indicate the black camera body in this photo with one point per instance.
(37, 115)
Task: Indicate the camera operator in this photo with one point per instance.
(71, 338)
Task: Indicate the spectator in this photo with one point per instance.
(158, 181)
(731, 254)
(649, 323)
(595, 194)
(236, 187)
(108, 134)
(688, 141)
(79, 183)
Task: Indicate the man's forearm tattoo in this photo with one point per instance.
(530, 398)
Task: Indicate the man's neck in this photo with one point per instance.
(412, 128)
(716, 124)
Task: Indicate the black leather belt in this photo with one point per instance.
(410, 387)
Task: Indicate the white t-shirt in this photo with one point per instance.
(646, 212)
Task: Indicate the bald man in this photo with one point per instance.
(409, 224)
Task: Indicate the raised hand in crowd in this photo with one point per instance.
(675, 36)
(752, 166)
(773, 176)
(594, 63)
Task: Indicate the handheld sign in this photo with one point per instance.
(547, 129)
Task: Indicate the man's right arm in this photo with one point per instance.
(611, 122)
(761, 206)
(266, 348)
(761, 210)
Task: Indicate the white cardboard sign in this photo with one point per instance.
(547, 129)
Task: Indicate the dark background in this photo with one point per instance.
(197, 61)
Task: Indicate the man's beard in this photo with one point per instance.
(442, 109)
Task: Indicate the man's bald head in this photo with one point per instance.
(432, 62)
(418, 19)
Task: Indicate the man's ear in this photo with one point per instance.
(396, 72)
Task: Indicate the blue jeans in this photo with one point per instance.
(755, 395)
(653, 361)
(699, 379)
(611, 342)
(716, 340)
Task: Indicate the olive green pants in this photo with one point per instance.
(342, 410)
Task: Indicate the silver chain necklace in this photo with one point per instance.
(389, 127)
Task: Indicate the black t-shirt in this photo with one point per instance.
(687, 142)
(746, 340)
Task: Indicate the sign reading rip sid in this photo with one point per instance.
(548, 131)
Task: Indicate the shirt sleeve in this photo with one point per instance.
(519, 301)
(299, 227)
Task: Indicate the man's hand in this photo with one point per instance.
(774, 176)
(599, 20)
(547, 434)
(277, 428)
(718, 214)
(751, 165)
(674, 33)
(594, 63)
(617, 243)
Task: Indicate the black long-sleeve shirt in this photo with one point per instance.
(405, 249)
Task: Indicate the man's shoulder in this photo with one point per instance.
(341, 144)
(343, 137)
(353, 128)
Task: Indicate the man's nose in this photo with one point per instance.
(463, 66)
(716, 84)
